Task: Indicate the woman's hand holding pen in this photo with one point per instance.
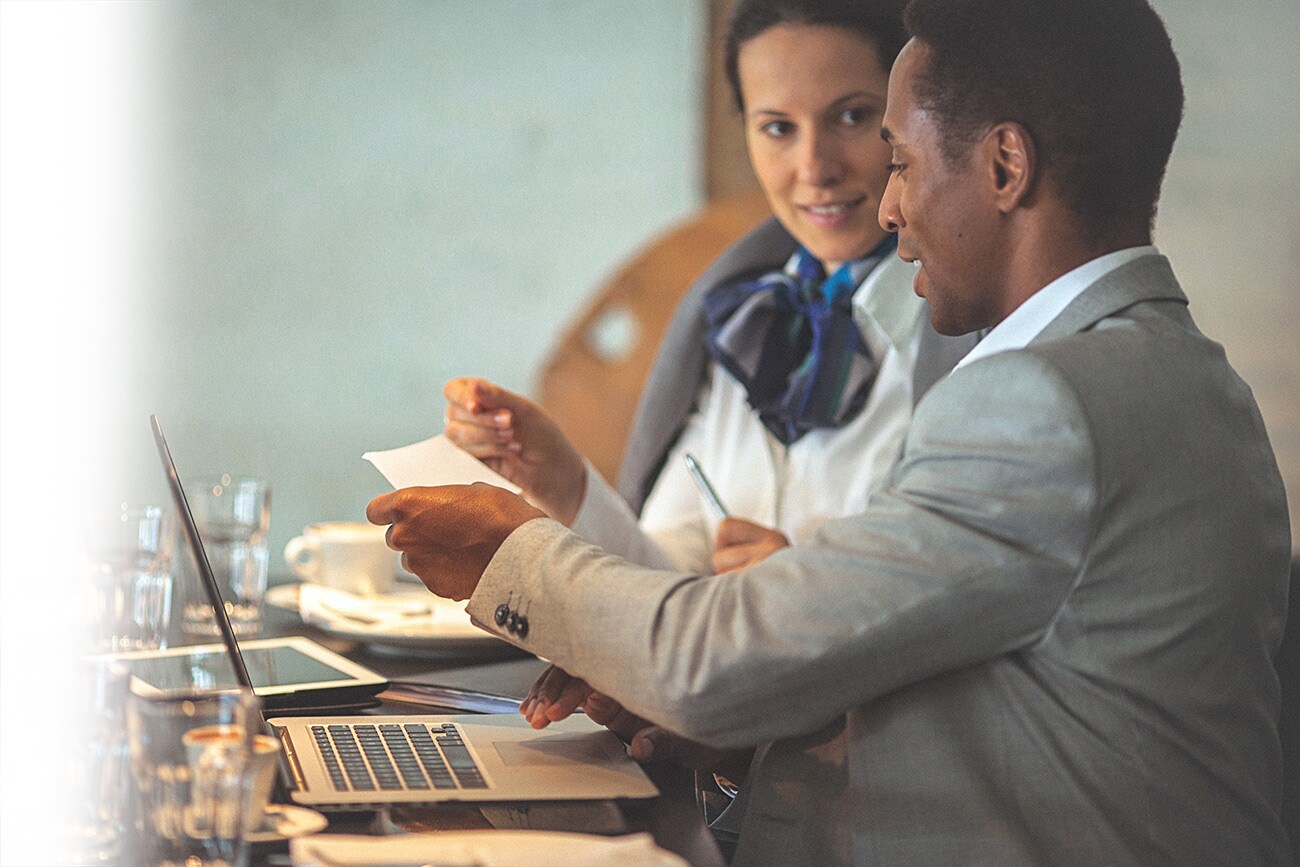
(516, 438)
(743, 543)
(740, 543)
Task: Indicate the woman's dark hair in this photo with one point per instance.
(878, 21)
(1095, 83)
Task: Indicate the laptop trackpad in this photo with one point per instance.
(561, 749)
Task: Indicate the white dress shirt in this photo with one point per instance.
(827, 473)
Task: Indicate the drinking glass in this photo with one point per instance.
(192, 759)
(96, 765)
(233, 516)
(127, 565)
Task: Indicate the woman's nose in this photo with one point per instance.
(820, 164)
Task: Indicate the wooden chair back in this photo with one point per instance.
(592, 381)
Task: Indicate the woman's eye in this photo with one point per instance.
(777, 128)
(854, 116)
(895, 168)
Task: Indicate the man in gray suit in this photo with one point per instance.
(1049, 639)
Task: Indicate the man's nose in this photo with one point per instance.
(889, 214)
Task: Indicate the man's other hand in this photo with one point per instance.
(557, 694)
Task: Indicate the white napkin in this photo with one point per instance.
(482, 848)
(435, 461)
(413, 611)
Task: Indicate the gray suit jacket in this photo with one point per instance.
(679, 367)
(1047, 640)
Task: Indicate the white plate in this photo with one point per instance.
(446, 635)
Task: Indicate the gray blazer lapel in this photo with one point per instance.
(1146, 279)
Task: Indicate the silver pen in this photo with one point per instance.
(711, 498)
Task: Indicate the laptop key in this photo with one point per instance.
(430, 758)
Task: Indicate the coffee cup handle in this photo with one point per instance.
(303, 556)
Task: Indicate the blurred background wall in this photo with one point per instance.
(323, 210)
(1229, 215)
(356, 202)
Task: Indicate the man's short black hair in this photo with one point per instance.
(1094, 82)
(878, 21)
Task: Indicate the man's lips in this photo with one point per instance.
(915, 260)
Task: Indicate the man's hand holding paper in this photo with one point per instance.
(449, 515)
(449, 534)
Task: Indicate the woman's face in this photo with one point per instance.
(814, 96)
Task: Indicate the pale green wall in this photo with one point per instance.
(359, 201)
(329, 208)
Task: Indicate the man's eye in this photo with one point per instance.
(894, 168)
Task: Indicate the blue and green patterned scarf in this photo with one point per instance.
(791, 341)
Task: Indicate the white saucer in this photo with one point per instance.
(284, 821)
(452, 635)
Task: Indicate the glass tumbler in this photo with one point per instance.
(95, 766)
(127, 566)
(233, 517)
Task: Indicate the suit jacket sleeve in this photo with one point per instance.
(967, 554)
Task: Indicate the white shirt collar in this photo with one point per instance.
(1038, 310)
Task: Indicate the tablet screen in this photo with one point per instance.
(211, 669)
(274, 665)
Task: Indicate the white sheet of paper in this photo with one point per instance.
(483, 849)
(435, 461)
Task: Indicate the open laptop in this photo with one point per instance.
(363, 762)
(289, 674)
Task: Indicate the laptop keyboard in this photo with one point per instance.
(366, 758)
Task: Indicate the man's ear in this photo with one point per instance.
(1013, 166)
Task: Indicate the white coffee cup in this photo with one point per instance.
(345, 555)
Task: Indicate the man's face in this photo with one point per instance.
(944, 214)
